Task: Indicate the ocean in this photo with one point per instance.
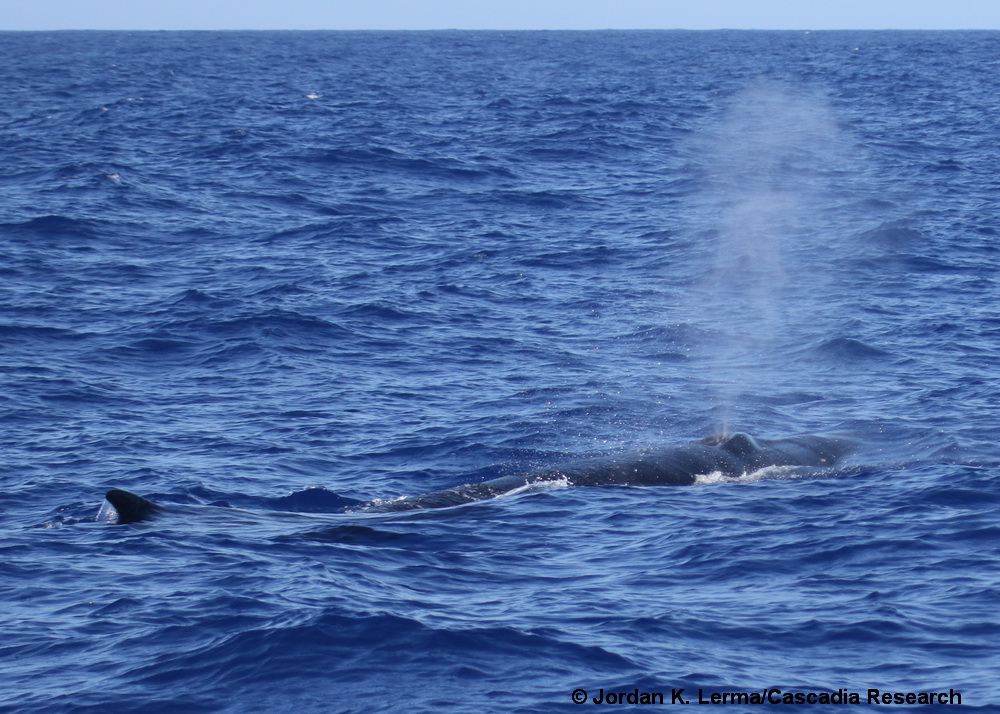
(246, 274)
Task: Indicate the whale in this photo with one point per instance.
(726, 454)
(730, 455)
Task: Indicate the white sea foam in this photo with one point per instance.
(768, 473)
(543, 485)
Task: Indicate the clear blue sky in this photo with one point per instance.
(496, 14)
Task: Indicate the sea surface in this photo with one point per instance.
(244, 273)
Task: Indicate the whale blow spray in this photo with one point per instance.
(762, 174)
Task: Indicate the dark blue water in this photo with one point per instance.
(237, 266)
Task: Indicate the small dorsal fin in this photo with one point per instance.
(130, 507)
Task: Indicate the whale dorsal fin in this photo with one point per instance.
(130, 507)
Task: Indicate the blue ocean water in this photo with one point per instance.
(241, 271)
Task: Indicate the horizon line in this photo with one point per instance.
(805, 30)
